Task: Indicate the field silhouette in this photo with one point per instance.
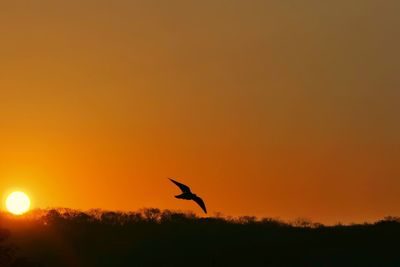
(150, 237)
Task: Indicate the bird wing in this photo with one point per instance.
(200, 202)
(182, 187)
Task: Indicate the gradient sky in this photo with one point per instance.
(270, 108)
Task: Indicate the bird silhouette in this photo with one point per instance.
(188, 195)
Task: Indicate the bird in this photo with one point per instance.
(188, 195)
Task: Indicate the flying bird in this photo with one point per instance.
(188, 195)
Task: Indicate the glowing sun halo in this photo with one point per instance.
(18, 203)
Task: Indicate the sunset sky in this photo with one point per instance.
(269, 108)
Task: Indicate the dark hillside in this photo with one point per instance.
(155, 238)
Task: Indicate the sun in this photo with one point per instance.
(18, 203)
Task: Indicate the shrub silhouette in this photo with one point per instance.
(7, 254)
(151, 237)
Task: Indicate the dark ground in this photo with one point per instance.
(153, 238)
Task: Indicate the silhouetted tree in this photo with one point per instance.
(151, 237)
(5, 252)
(152, 214)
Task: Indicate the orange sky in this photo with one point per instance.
(269, 108)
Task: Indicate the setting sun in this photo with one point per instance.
(18, 203)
